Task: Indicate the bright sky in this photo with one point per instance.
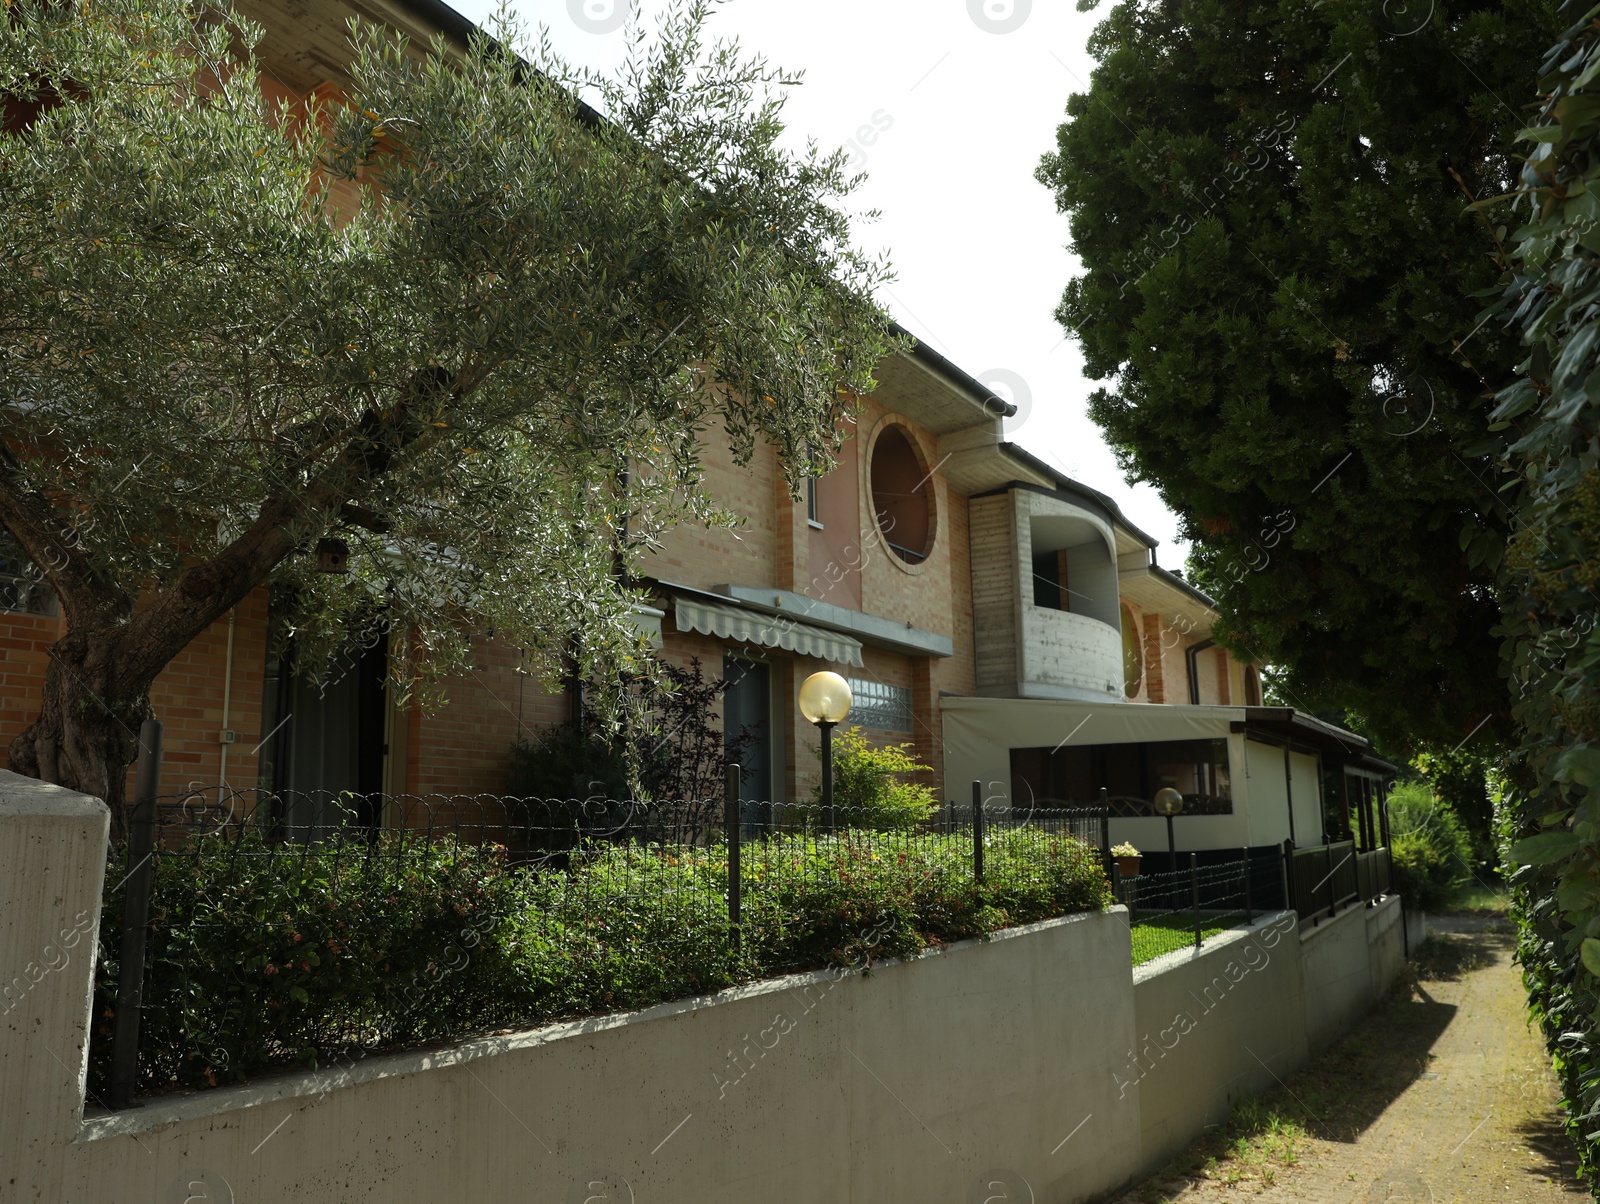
(947, 106)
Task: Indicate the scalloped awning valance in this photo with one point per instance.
(733, 622)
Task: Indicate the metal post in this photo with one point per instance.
(1288, 788)
(1285, 854)
(733, 829)
(1333, 895)
(1194, 895)
(1172, 847)
(1105, 837)
(977, 831)
(1249, 912)
(827, 773)
(135, 919)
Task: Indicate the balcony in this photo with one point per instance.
(1045, 599)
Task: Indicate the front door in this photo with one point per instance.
(747, 729)
(327, 751)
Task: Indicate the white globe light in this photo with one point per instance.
(825, 698)
(1168, 801)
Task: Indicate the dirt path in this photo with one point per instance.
(1444, 1096)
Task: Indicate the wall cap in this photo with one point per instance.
(24, 796)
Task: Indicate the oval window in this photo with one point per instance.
(901, 496)
(1132, 654)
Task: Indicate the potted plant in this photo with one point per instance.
(1127, 859)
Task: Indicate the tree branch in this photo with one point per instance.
(90, 598)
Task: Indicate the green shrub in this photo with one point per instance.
(264, 955)
(1431, 847)
(566, 762)
(263, 958)
(868, 788)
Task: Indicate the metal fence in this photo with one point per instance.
(1181, 909)
(1324, 878)
(291, 924)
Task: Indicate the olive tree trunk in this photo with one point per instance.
(87, 731)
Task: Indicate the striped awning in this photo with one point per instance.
(732, 622)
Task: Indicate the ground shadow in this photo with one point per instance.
(1448, 956)
(1341, 1092)
(1554, 1155)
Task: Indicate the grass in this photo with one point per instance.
(1477, 899)
(1152, 938)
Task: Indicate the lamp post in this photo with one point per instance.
(1169, 802)
(825, 701)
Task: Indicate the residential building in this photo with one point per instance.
(972, 595)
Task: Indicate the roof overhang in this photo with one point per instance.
(1286, 725)
(1158, 591)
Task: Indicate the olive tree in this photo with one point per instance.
(456, 321)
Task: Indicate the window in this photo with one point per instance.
(1132, 654)
(811, 503)
(1252, 686)
(901, 496)
(1130, 773)
(1050, 580)
(885, 707)
(21, 588)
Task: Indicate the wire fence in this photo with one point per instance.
(265, 929)
(1181, 909)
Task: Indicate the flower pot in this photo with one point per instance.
(1129, 866)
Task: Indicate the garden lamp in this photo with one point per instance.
(1169, 802)
(825, 701)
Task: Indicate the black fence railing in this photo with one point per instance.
(1169, 910)
(265, 929)
(1326, 877)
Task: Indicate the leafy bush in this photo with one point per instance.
(275, 957)
(1431, 847)
(566, 762)
(669, 749)
(868, 790)
(264, 955)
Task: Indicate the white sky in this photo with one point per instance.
(960, 116)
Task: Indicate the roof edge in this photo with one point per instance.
(985, 397)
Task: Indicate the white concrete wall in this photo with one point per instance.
(52, 864)
(919, 1080)
(1032, 1065)
(1069, 656)
(1347, 964)
(1213, 1029)
(1218, 1026)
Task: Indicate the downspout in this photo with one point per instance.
(1192, 655)
(1288, 792)
(224, 736)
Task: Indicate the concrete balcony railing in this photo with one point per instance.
(1067, 655)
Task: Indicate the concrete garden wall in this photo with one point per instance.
(1251, 1007)
(1032, 1066)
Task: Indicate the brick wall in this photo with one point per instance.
(995, 606)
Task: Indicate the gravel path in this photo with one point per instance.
(1479, 1124)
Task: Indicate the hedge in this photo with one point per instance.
(265, 958)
